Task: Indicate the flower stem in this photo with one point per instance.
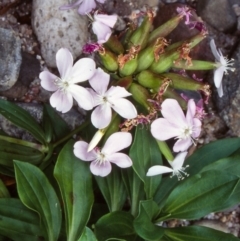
(165, 150)
(85, 123)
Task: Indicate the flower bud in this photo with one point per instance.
(96, 138)
(109, 59)
(114, 45)
(196, 65)
(124, 82)
(129, 67)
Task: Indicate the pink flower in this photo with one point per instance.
(106, 99)
(84, 6)
(101, 159)
(102, 25)
(90, 48)
(65, 87)
(175, 124)
(185, 11)
(177, 167)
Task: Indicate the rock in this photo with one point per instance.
(56, 29)
(218, 13)
(10, 58)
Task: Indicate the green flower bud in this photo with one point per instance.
(109, 59)
(114, 45)
(129, 67)
(124, 82)
(196, 65)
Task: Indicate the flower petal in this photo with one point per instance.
(86, 7)
(63, 102)
(48, 80)
(100, 81)
(117, 92)
(102, 31)
(80, 151)
(218, 75)
(101, 1)
(220, 91)
(116, 142)
(156, 170)
(178, 161)
(70, 6)
(172, 111)
(100, 170)
(182, 144)
(162, 130)
(64, 60)
(82, 70)
(214, 50)
(82, 96)
(105, 19)
(101, 116)
(196, 128)
(191, 111)
(120, 159)
(124, 108)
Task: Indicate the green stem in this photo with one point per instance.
(85, 123)
(39, 147)
(165, 150)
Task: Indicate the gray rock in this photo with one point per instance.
(56, 29)
(10, 58)
(218, 13)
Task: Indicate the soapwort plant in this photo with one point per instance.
(119, 176)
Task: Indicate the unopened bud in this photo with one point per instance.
(196, 65)
(114, 45)
(109, 59)
(96, 138)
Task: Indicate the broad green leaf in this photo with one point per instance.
(21, 118)
(113, 189)
(143, 224)
(36, 193)
(19, 222)
(88, 235)
(58, 126)
(204, 156)
(115, 226)
(196, 233)
(75, 182)
(145, 153)
(4, 193)
(198, 195)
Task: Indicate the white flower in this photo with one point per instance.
(177, 167)
(223, 65)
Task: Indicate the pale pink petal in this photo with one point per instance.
(108, 20)
(100, 170)
(97, 99)
(117, 92)
(101, 1)
(48, 80)
(178, 161)
(120, 159)
(100, 81)
(102, 31)
(82, 70)
(86, 7)
(220, 90)
(80, 151)
(191, 111)
(196, 127)
(64, 62)
(82, 96)
(172, 111)
(214, 50)
(117, 142)
(162, 130)
(124, 108)
(156, 170)
(218, 75)
(182, 144)
(101, 116)
(63, 102)
(70, 6)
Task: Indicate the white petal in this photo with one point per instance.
(102, 31)
(178, 161)
(105, 19)
(82, 96)
(117, 92)
(182, 145)
(101, 116)
(48, 80)
(196, 127)
(120, 159)
(100, 170)
(95, 140)
(82, 70)
(63, 102)
(220, 91)
(218, 75)
(156, 170)
(101, 1)
(64, 62)
(81, 151)
(86, 7)
(117, 142)
(100, 81)
(214, 50)
(191, 111)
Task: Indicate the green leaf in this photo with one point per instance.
(116, 225)
(88, 235)
(143, 224)
(204, 156)
(36, 193)
(145, 153)
(4, 193)
(21, 118)
(198, 195)
(113, 189)
(75, 182)
(19, 222)
(196, 233)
